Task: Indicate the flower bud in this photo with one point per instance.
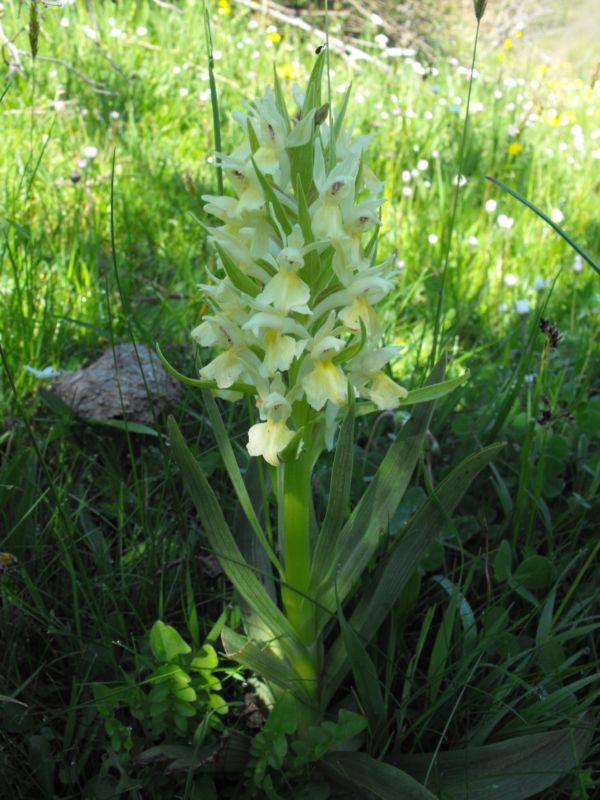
(479, 7)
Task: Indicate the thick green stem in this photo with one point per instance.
(296, 547)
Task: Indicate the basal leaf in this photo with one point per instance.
(339, 499)
(235, 476)
(263, 658)
(514, 769)
(380, 779)
(238, 571)
(359, 537)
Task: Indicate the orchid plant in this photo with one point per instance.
(294, 324)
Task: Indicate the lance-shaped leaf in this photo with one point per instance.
(302, 131)
(381, 780)
(403, 559)
(239, 572)
(434, 391)
(240, 280)
(312, 96)
(235, 476)
(254, 553)
(359, 537)
(280, 99)
(339, 499)
(273, 201)
(262, 658)
(512, 770)
(339, 118)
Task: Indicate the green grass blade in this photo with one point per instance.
(214, 99)
(441, 650)
(366, 681)
(585, 255)
(382, 780)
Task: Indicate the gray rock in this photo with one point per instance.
(115, 386)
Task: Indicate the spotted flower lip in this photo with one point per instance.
(292, 302)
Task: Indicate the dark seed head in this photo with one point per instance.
(479, 6)
(551, 333)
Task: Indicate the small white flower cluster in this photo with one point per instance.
(292, 308)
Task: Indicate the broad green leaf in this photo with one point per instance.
(382, 780)
(235, 476)
(359, 537)
(262, 657)
(535, 572)
(339, 499)
(165, 643)
(366, 681)
(384, 588)
(549, 221)
(238, 571)
(434, 391)
(353, 349)
(349, 725)
(283, 718)
(510, 770)
(205, 658)
(311, 260)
